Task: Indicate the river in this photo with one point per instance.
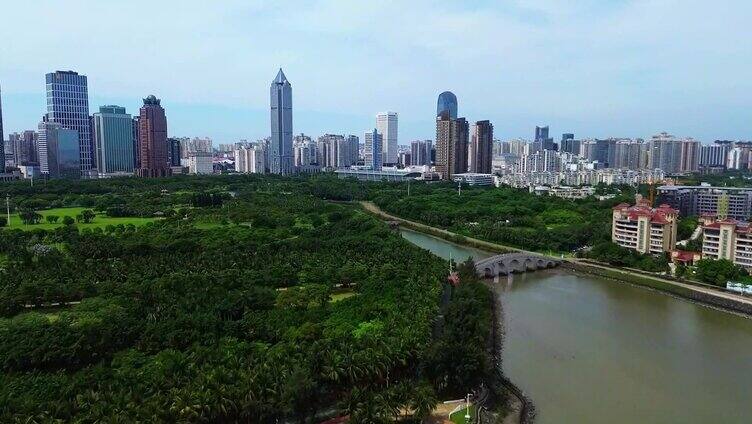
(590, 350)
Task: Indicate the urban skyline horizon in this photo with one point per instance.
(132, 104)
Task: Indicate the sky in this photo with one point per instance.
(598, 68)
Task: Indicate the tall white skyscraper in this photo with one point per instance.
(386, 125)
(280, 147)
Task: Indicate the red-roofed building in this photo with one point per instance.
(685, 257)
(643, 228)
(728, 239)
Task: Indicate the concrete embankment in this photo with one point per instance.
(717, 299)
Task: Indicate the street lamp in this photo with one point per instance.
(467, 408)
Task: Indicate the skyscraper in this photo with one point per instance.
(2, 135)
(481, 148)
(451, 146)
(68, 105)
(173, 151)
(113, 140)
(152, 142)
(372, 149)
(447, 105)
(136, 144)
(59, 155)
(420, 152)
(541, 136)
(386, 124)
(280, 147)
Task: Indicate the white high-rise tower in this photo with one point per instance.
(386, 125)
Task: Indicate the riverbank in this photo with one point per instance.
(694, 293)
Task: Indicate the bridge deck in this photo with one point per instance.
(516, 262)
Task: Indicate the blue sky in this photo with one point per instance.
(595, 68)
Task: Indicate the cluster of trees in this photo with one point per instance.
(614, 254)
(718, 272)
(506, 215)
(223, 313)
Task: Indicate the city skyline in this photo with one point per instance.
(597, 76)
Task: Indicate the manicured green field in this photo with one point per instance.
(459, 416)
(100, 221)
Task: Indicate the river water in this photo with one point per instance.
(591, 350)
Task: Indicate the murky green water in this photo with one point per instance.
(590, 350)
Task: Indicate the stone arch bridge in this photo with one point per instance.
(509, 263)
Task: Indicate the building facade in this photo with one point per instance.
(113, 141)
(280, 146)
(451, 146)
(2, 135)
(152, 132)
(373, 142)
(728, 239)
(721, 202)
(420, 152)
(200, 164)
(386, 124)
(58, 151)
(643, 228)
(250, 160)
(68, 105)
(480, 154)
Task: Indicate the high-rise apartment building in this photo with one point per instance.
(714, 156)
(152, 132)
(304, 151)
(569, 144)
(451, 146)
(386, 124)
(200, 164)
(545, 142)
(728, 239)
(420, 152)
(173, 151)
(250, 160)
(673, 155)
(68, 105)
(24, 147)
(628, 154)
(280, 147)
(723, 202)
(446, 105)
(113, 140)
(644, 229)
(480, 154)
(373, 141)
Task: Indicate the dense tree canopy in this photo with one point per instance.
(221, 311)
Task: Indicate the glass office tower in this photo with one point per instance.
(447, 105)
(280, 146)
(68, 105)
(113, 140)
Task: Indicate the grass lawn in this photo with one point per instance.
(100, 221)
(339, 295)
(459, 416)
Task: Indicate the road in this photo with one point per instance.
(371, 207)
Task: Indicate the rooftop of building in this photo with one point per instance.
(739, 226)
(702, 187)
(657, 215)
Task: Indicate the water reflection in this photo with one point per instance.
(590, 350)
